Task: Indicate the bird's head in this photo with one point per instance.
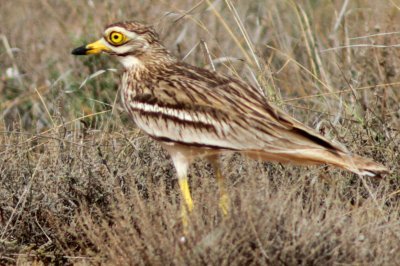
(132, 42)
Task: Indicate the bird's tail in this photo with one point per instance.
(354, 163)
(364, 166)
(295, 143)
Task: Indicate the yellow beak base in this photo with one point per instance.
(92, 48)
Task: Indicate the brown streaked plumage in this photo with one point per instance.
(195, 112)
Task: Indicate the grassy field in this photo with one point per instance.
(80, 184)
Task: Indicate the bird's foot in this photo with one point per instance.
(185, 213)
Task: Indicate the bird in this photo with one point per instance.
(198, 113)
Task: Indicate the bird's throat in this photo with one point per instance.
(130, 62)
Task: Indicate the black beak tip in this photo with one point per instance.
(80, 50)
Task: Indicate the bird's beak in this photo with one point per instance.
(92, 48)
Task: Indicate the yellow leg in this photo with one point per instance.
(224, 201)
(181, 157)
(188, 205)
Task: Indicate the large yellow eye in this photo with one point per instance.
(116, 38)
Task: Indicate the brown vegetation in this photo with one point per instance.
(79, 184)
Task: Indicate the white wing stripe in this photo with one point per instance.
(180, 114)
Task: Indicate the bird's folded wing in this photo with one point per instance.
(197, 107)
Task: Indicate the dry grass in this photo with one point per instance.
(80, 185)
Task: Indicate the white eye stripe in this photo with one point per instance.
(128, 34)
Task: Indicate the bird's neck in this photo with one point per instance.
(141, 60)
